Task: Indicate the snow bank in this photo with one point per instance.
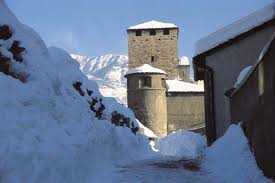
(182, 86)
(231, 31)
(182, 145)
(145, 68)
(229, 159)
(49, 132)
(153, 25)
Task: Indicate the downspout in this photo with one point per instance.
(211, 132)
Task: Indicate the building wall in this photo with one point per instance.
(227, 63)
(184, 72)
(149, 104)
(185, 111)
(254, 105)
(164, 48)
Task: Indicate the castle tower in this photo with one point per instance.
(146, 95)
(154, 43)
(184, 69)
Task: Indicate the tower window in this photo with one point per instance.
(152, 32)
(145, 82)
(166, 32)
(152, 59)
(138, 33)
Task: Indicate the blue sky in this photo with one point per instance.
(93, 27)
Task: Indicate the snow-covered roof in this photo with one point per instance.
(243, 74)
(153, 25)
(182, 86)
(247, 71)
(233, 30)
(184, 61)
(145, 68)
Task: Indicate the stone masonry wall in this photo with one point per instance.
(185, 111)
(148, 104)
(164, 48)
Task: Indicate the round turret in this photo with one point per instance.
(183, 69)
(146, 95)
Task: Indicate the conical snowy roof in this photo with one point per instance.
(146, 68)
(153, 25)
(184, 61)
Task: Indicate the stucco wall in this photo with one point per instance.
(185, 110)
(149, 104)
(163, 47)
(227, 63)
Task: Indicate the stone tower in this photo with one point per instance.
(146, 95)
(154, 43)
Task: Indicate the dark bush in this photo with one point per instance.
(77, 87)
(17, 51)
(89, 92)
(5, 32)
(4, 64)
(120, 120)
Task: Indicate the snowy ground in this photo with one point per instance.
(54, 128)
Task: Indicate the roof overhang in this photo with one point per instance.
(268, 47)
(199, 60)
(147, 29)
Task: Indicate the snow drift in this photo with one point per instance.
(229, 159)
(49, 133)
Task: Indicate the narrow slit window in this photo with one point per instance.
(138, 33)
(166, 32)
(152, 32)
(152, 59)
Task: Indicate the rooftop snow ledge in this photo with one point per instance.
(243, 75)
(146, 68)
(184, 61)
(247, 71)
(153, 25)
(233, 30)
(182, 86)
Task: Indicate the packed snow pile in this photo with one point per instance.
(108, 72)
(229, 159)
(182, 145)
(56, 126)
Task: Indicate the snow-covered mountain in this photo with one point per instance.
(108, 71)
